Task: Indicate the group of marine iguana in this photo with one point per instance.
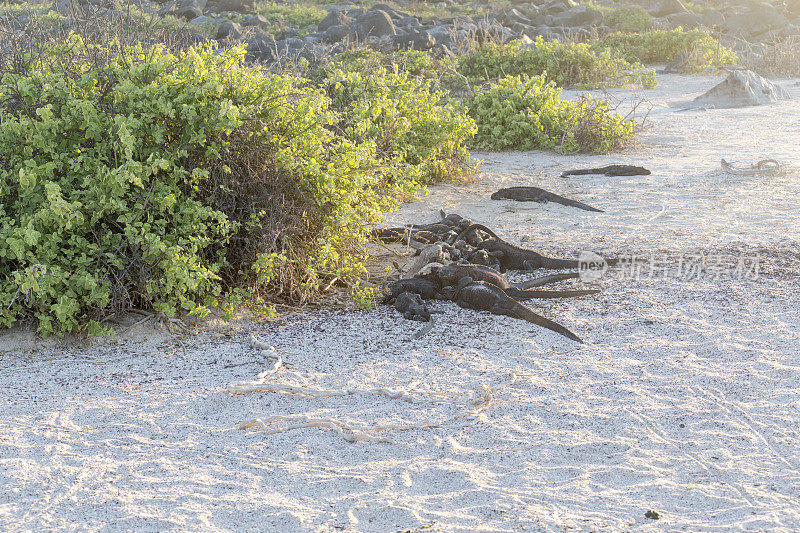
(475, 284)
(477, 256)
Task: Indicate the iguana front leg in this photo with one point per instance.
(463, 282)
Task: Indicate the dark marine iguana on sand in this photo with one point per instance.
(546, 280)
(426, 288)
(453, 275)
(484, 296)
(513, 257)
(412, 307)
(535, 194)
(609, 170)
(407, 297)
(407, 294)
(432, 286)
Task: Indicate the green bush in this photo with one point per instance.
(524, 114)
(622, 16)
(628, 18)
(439, 71)
(700, 49)
(413, 128)
(38, 15)
(364, 59)
(295, 14)
(567, 64)
(395, 100)
(137, 177)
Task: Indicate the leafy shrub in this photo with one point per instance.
(567, 64)
(294, 14)
(628, 18)
(622, 16)
(38, 15)
(413, 128)
(440, 71)
(137, 177)
(365, 59)
(528, 113)
(700, 49)
(594, 128)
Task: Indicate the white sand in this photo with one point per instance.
(685, 399)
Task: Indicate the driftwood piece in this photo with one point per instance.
(763, 167)
(354, 432)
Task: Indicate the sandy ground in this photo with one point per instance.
(684, 399)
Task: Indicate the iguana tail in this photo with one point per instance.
(574, 203)
(522, 312)
(519, 294)
(545, 280)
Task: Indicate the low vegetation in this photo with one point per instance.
(413, 130)
(528, 113)
(30, 13)
(568, 64)
(628, 18)
(614, 60)
(290, 15)
(514, 112)
(138, 177)
(699, 50)
(623, 16)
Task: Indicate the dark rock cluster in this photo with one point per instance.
(385, 27)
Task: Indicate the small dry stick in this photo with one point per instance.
(266, 351)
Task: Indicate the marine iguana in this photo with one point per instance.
(609, 170)
(442, 231)
(426, 288)
(410, 304)
(484, 296)
(513, 257)
(454, 275)
(535, 194)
